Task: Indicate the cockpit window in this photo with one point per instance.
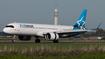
(10, 26)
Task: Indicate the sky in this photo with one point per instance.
(42, 12)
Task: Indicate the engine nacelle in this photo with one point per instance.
(52, 36)
(24, 38)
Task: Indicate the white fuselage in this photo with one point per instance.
(24, 31)
(34, 29)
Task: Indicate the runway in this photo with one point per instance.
(53, 43)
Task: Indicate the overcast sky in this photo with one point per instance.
(42, 11)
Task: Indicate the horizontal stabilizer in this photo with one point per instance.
(97, 27)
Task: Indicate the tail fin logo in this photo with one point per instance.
(81, 22)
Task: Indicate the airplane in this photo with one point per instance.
(24, 31)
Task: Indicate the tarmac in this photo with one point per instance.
(53, 43)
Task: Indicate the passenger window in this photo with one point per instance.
(11, 26)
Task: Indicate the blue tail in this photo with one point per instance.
(81, 21)
(99, 25)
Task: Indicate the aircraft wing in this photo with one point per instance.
(67, 32)
(72, 31)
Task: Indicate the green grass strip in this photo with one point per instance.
(14, 57)
(82, 56)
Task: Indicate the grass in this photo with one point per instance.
(82, 56)
(52, 46)
(52, 51)
(13, 57)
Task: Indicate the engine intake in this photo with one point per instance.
(52, 36)
(24, 38)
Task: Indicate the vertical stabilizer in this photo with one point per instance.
(81, 21)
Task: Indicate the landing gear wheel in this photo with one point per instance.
(13, 41)
(37, 40)
(55, 41)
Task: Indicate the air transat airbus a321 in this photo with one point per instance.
(24, 31)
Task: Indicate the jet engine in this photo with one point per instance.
(24, 38)
(52, 36)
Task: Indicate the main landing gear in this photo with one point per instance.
(55, 41)
(37, 40)
(13, 40)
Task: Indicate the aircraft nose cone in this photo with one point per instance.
(7, 30)
(4, 30)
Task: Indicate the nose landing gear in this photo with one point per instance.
(13, 40)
